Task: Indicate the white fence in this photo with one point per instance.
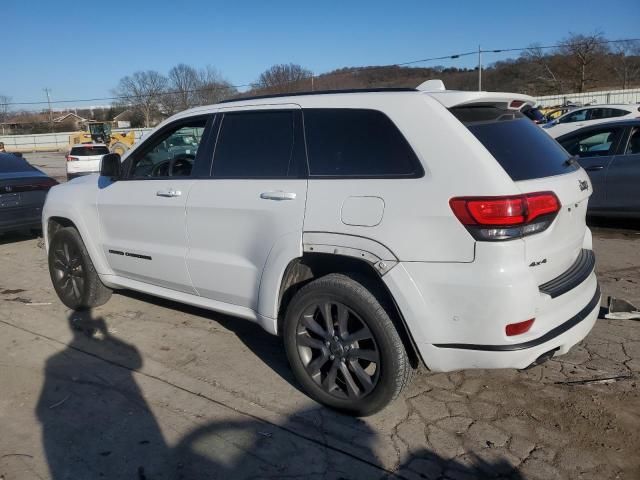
(608, 96)
(48, 142)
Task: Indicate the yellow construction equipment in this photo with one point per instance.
(101, 132)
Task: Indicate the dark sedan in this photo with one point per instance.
(23, 189)
(610, 153)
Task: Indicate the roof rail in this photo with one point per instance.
(319, 92)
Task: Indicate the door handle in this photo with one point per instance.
(594, 167)
(168, 193)
(278, 196)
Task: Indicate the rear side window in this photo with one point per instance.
(523, 149)
(357, 143)
(86, 151)
(255, 144)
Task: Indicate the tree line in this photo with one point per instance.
(578, 63)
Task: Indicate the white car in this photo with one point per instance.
(372, 230)
(84, 159)
(587, 116)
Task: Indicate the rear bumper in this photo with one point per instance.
(457, 313)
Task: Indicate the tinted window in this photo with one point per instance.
(172, 154)
(523, 149)
(356, 143)
(255, 144)
(87, 151)
(594, 143)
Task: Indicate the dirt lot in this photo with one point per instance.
(148, 389)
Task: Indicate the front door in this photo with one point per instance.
(142, 216)
(253, 205)
(595, 148)
(623, 177)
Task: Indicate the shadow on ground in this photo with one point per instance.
(266, 347)
(97, 423)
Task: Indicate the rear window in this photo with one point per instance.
(357, 143)
(86, 151)
(523, 149)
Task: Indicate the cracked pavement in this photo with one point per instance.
(144, 388)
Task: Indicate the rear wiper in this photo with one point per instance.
(573, 160)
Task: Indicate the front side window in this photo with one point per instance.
(575, 116)
(594, 143)
(256, 144)
(357, 143)
(172, 154)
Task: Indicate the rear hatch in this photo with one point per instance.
(537, 164)
(87, 157)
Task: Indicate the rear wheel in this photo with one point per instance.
(73, 275)
(343, 347)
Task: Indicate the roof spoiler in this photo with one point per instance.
(431, 86)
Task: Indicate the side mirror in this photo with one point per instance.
(110, 166)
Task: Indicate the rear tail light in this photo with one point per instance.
(518, 328)
(505, 218)
(71, 159)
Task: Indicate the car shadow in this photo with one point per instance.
(267, 348)
(624, 224)
(19, 236)
(97, 422)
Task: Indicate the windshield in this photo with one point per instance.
(522, 149)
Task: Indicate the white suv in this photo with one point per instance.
(372, 230)
(84, 159)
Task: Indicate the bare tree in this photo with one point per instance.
(183, 83)
(212, 87)
(285, 78)
(143, 91)
(544, 69)
(583, 51)
(626, 61)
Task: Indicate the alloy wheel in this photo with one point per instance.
(338, 350)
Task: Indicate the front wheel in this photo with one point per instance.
(343, 347)
(73, 275)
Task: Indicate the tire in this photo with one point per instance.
(119, 148)
(364, 340)
(73, 275)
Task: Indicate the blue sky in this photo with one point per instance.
(80, 51)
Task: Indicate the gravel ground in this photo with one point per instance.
(148, 389)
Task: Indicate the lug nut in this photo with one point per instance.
(331, 357)
(327, 343)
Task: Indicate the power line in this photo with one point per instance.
(359, 69)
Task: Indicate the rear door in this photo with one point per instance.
(595, 148)
(623, 176)
(252, 206)
(536, 163)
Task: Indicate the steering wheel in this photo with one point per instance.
(183, 162)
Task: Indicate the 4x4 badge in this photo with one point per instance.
(584, 185)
